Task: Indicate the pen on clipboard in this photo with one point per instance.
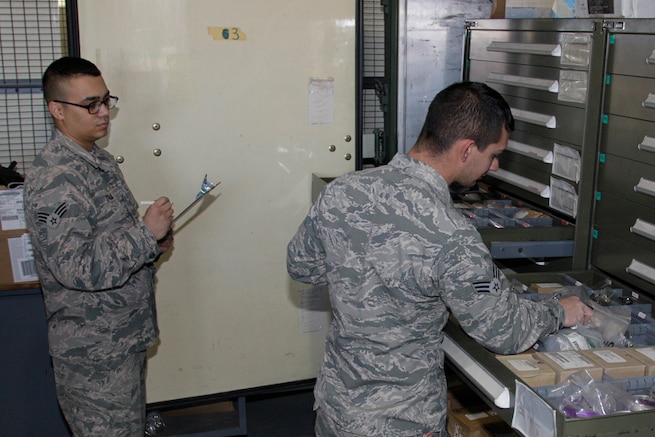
(203, 193)
(205, 188)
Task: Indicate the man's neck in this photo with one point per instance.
(440, 163)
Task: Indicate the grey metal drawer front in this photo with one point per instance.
(537, 83)
(548, 49)
(631, 180)
(631, 97)
(559, 122)
(510, 188)
(530, 48)
(526, 167)
(534, 146)
(626, 261)
(627, 220)
(533, 140)
(630, 138)
(632, 54)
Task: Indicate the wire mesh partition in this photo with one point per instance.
(32, 35)
(374, 91)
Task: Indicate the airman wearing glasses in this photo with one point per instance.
(94, 256)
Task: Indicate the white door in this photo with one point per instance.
(253, 93)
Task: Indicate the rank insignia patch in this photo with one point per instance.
(491, 287)
(54, 218)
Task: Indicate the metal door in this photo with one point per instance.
(259, 95)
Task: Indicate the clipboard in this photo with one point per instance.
(199, 197)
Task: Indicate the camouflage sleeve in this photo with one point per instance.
(81, 255)
(480, 297)
(305, 253)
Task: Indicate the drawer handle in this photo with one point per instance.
(477, 373)
(545, 120)
(651, 58)
(527, 48)
(645, 187)
(649, 103)
(535, 187)
(641, 270)
(644, 229)
(552, 86)
(530, 151)
(647, 144)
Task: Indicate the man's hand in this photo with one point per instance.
(159, 217)
(166, 243)
(576, 311)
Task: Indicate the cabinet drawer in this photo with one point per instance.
(548, 49)
(527, 168)
(623, 260)
(630, 180)
(627, 220)
(559, 122)
(632, 54)
(533, 140)
(538, 83)
(631, 97)
(630, 138)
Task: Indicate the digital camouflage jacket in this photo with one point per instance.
(93, 253)
(396, 256)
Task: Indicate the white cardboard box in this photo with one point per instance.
(615, 8)
(16, 258)
(12, 215)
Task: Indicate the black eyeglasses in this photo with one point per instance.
(94, 107)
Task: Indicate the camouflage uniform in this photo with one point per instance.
(396, 256)
(94, 259)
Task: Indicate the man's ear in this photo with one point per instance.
(466, 149)
(56, 110)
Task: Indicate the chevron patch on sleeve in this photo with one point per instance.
(492, 287)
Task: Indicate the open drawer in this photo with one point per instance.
(508, 395)
(512, 228)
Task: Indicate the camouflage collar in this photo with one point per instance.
(67, 142)
(421, 171)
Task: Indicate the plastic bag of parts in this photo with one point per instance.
(154, 424)
(607, 327)
(612, 322)
(581, 396)
(569, 339)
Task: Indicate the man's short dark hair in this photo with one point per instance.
(63, 69)
(465, 110)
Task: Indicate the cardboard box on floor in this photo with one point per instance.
(460, 395)
(477, 421)
(16, 259)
